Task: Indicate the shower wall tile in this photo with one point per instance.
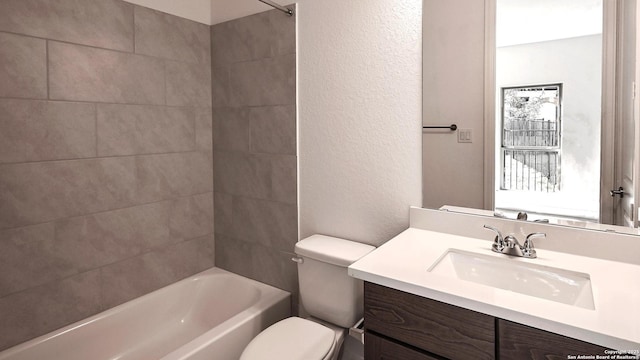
(134, 277)
(275, 268)
(269, 177)
(23, 66)
(106, 158)
(284, 179)
(40, 192)
(33, 130)
(232, 129)
(170, 37)
(234, 256)
(254, 141)
(188, 84)
(100, 23)
(259, 36)
(204, 129)
(140, 129)
(242, 174)
(28, 258)
(92, 241)
(273, 129)
(191, 217)
(258, 262)
(268, 223)
(227, 45)
(41, 309)
(223, 210)
(88, 74)
(263, 82)
(168, 176)
(220, 93)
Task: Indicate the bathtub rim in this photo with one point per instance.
(268, 295)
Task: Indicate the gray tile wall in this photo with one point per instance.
(254, 127)
(106, 176)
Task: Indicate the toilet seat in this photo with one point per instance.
(293, 338)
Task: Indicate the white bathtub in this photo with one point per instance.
(212, 315)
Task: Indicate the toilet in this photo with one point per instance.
(333, 299)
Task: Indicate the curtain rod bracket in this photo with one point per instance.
(285, 10)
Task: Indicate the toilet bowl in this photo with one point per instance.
(328, 294)
(296, 338)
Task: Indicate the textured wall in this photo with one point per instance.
(254, 116)
(360, 104)
(105, 158)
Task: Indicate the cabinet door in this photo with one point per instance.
(378, 348)
(438, 328)
(520, 342)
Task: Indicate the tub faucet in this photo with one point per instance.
(509, 245)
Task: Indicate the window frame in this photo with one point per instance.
(557, 149)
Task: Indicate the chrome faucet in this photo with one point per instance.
(509, 244)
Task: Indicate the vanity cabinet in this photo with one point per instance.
(523, 342)
(379, 348)
(401, 326)
(436, 327)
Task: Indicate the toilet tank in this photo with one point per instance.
(326, 290)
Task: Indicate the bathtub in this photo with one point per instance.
(212, 315)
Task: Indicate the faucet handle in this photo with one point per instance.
(498, 242)
(527, 248)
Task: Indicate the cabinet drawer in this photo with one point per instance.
(523, 342)
(438, 328)
(378, 348)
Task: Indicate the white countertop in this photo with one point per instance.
(402, 264)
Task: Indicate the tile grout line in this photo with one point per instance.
(196, 122)
(104, 157)
(271, 156)
(101, 267)
(277, 202)
(126, 52)
(112, 103)
(133, 21)
(272, 57)
(164, 69)
(108, 210)
(95, 114)
(46, 51)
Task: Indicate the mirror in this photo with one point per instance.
(551, 141)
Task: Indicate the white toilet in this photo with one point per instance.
(328, 294)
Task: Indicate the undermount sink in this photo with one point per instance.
(564, 286)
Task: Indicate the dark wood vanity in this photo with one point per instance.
(403, 326)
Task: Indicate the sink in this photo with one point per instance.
(524, 277)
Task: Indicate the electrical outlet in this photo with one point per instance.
(464, 136)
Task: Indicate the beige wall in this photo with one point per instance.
(106, 188)
(453, 93)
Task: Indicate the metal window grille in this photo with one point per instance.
(531, 138)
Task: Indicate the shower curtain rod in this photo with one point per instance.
(279, 7)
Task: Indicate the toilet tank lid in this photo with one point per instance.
(332, 250)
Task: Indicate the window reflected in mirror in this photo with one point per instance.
(531, 132)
